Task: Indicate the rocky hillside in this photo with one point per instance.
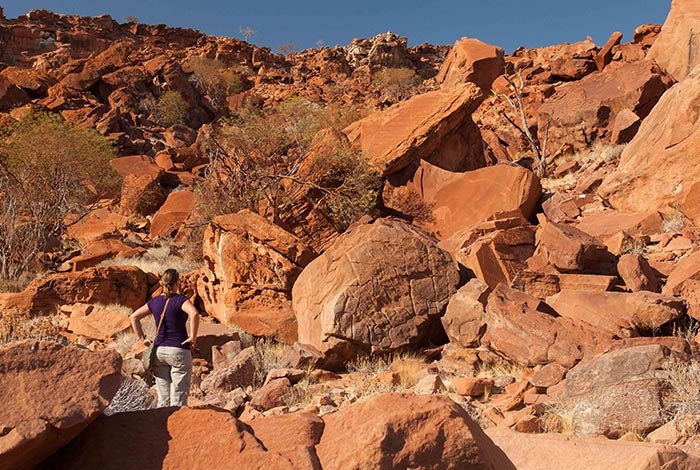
(426, 257)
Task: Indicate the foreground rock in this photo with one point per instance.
(173, 438)
(379, 288)
(403, 431)
(559, 452)
(251, 265)
(50, 393)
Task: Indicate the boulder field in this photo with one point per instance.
(454, 310)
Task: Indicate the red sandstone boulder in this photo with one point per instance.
(123, 285)
(379, 288)
(675, 47)
(497, 257)
(565, 248)
(173, 438)
(471, 60)
(251, 265)
(404, 431)
(684, 281)
(623, 313)
(50, 393)
(172, 214)
(637, 274)
(141, 191)
(294, 435)
(485, 192)
(585, 109)
(654, 169)
(416, 129)
(540, 451)
(518, 330)
(464, 317)
(240, 372)
(608, 226)
(604, 390)
(97, 322)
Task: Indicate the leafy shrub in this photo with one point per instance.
(396, 83)
(256, 155)
(172, 109)
(213, 79)
(49, 169)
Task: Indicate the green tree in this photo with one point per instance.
(255, 159)
(172, 109)
(49, 169)
(396, 83)
(213, 79)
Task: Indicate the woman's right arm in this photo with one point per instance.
(136, 317)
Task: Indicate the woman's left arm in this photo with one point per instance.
(193, 314)
(135, 318)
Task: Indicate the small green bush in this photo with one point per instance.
(172, 109)
(214, 79)
(396, 83)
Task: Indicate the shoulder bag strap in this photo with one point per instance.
(162, 316)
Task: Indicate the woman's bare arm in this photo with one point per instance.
(193, 314)
(135, 318)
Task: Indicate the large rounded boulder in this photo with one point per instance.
(379, 288)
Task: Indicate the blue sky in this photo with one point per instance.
(507, 23)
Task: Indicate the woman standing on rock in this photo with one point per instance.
(173, 365)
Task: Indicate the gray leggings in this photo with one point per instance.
(173, 372)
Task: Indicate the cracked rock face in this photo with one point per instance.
(378, 288)
(50, 393)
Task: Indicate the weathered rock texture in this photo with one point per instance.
(550, 451)
(124, 285)
(471, 60)
(251, 265)
(654, 168)
(619, 391)
(676, 47)
(487, 192)
(419, 128)
(172, 438)
(380, 287)
(519, 331)
(586, 110)
(50, 393)
(403, 431)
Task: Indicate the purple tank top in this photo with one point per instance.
(173, 331)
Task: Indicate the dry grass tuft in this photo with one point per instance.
(683, 395)
(156, 260)
(133, 395)
(500, 369)
(269, 355)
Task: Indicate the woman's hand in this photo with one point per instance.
(192, 342)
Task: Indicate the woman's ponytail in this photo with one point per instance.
(168, 281)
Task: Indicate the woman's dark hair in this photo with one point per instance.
(167, 282)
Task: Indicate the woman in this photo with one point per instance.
(173, 365)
